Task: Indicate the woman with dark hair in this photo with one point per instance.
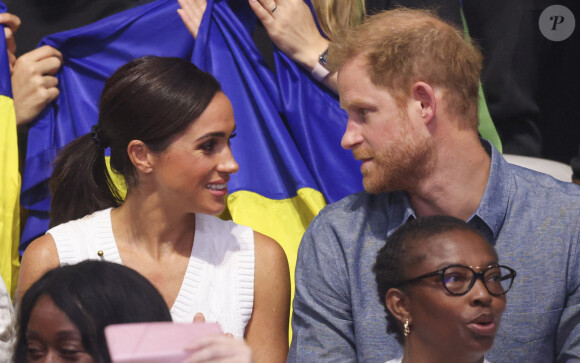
(443, 290)
(64, 314)
(92, 295)
(168, 127)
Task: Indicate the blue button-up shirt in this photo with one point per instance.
(533, 222)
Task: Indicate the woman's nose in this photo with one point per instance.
(51, 357)
(479, 294)
(229, 164)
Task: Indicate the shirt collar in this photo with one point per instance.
(492, 210)
(401, 199)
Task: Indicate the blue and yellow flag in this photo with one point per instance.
(10, 184)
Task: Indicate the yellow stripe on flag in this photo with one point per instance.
(283, 220)
(9, 196)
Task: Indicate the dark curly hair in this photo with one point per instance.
(400, 254)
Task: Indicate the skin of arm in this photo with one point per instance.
(293, 29)
(39, 257)
(267, 330)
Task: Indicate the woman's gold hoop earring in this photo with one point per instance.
(406, 328)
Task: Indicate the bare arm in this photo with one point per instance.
(40, 256)
(292, 28)
(267, 331)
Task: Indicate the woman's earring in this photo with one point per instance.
(406, 328)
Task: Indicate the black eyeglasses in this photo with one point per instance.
(459, 279)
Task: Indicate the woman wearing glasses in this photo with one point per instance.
(443, 290)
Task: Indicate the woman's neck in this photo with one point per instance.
(416, 351)
(143, 223)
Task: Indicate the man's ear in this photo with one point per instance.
(140, 155)
(424, 95)
(398, 304)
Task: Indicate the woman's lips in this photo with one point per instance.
(484, 324)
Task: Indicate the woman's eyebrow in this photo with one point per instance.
(210, 135)
(66, 334)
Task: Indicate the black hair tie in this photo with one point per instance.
(98, 137)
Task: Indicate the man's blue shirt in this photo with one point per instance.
(533, 222)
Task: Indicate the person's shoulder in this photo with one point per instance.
(103, 214)
(39, 257)
(358, 203)
(540, 184)
(270, 249)
(42, 249)
(79, 232)
(355, 217)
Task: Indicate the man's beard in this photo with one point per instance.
(399, 166)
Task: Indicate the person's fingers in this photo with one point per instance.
(11, 21)
(219, 348)
(206, 340)
(44, 90)
(43, 52)
(261, 12)
(47, 66)
(33, 83)
(199, 318)
(10, 42)
(49, 82)
(270, 5)
(191, 13)
(32, 106)
(49, 94)
(11, 61)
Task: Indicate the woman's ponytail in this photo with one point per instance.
(80, 183)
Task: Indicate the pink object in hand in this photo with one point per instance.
(154, 342)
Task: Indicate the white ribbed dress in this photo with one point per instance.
(218, 282)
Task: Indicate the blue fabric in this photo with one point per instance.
(532, 219)
(317, 124)
(285, 141)
(5, 81)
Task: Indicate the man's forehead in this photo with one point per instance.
(355, 87)
(352, 75)
(359, 62)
